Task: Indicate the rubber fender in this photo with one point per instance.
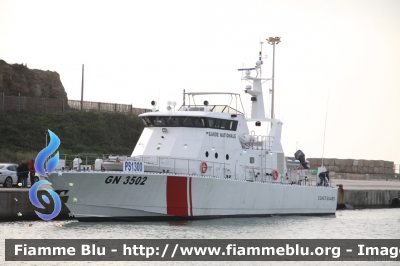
(396, 203)
(343, 206)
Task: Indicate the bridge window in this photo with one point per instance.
(211, 122)
(172, 121)
(187, 121)
(223, 124)
(217, 123)
(199, 122)
(157, 121)
(146, 121)
(232, 125)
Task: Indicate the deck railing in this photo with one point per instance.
(215, 169)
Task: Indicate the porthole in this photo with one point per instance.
(206, 153)
(216, 155)
(227, 156)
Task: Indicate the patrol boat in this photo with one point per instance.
(201, 161)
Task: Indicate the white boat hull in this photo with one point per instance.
(154, 196)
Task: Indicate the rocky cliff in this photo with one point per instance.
(18, 79)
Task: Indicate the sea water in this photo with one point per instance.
(346, 224)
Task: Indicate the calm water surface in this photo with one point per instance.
(350, 224)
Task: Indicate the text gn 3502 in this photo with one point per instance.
(129, 180)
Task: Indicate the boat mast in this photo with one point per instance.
(260, 56)
(257, 100)
(273, 41)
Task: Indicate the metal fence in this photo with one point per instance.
(48, 105)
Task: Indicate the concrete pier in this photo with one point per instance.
(16, 206)
(368, 193)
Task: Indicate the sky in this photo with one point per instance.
(338, 62)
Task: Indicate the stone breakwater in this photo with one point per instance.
(354, 166)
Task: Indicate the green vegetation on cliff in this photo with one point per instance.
(79, 132)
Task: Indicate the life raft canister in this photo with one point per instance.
(275, 175)
(204, 167)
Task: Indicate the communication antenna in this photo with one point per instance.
(326, 118)
(260, 62)
(260, 59)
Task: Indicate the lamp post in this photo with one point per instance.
(83, 74)
(273, 41)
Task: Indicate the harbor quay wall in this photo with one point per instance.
(368, 198)
(16, 206)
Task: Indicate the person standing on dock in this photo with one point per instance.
(32, 172)
(19, 173)
(24, 173)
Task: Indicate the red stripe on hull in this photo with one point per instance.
(190, 196)
(177, 201)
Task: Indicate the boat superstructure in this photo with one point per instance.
(204, 160)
